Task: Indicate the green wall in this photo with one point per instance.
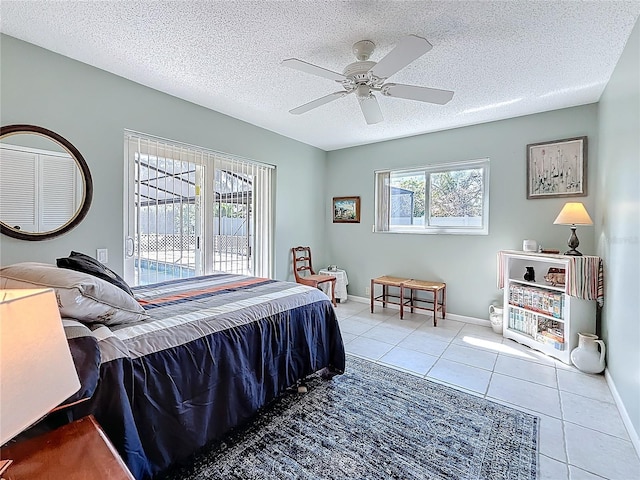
(618, 223)
(91, 108)
(467, 263)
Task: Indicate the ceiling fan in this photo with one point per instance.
(365, 77)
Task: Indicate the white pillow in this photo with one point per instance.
(80, 295)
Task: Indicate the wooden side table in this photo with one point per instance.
(77, 451)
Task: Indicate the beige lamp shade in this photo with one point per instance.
(573, 213)
(36, 369)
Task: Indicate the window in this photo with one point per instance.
(447, 198)
(192, 211)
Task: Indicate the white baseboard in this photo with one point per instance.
(359, 299)
(449, 316)
(633, 435)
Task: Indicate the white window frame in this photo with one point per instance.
(382, 200)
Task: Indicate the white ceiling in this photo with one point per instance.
(502, 58)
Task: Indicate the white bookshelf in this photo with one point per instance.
(538, 314)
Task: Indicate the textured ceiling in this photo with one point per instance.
(502, 59)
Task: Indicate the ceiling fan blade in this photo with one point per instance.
(318, 102)
(406, 51)
(312, 69)
(412, 92)
(370, 109)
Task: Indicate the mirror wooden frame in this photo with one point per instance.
(5, 229)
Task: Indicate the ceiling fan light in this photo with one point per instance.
(363, 91)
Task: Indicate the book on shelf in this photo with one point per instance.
(541, 329)
(537, 299)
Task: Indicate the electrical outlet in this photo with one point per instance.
(367, 290)
(102, 255)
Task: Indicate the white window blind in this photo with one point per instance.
(193, 211)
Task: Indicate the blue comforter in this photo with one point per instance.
(215, 350)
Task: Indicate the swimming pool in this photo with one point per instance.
(152, 271)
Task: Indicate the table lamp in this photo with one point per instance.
(36, 368)
(573, 213)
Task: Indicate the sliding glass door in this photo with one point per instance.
(191, 212)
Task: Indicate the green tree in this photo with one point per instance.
(457, 193)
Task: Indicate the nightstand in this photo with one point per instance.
(341, 283)
(77, 451)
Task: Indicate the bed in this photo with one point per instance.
(208, 354)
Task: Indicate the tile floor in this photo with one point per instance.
(582, 436)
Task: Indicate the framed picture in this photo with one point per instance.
(557, 169)
(346, 209)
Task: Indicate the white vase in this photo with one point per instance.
(586, 356)
(495, 316)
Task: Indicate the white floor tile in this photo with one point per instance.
(551, 469)
(524, 370)
(602, 454)
(447, 324)
(344, 310)
(466, 376)
(521, 392)
(576, 473)
(406, 324)
(446, 334)
(425, 343)
(481, 343)
(383, 312)
(367, 348)
(569, 368)
(355, 327)
(515, 349)
(591, 413)
(387, 333)
(347, 337)
(352, 306)
(593, 386)
(470, 356)
(478, 331)
(409, 360)
(417, 317)
(368, 319)
(379, 314)
(552, 438)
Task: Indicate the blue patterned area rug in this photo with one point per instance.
(374, 422)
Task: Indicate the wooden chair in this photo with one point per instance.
(304, 273)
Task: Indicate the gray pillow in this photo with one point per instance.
(81, 296)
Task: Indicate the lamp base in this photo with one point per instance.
(573, 243)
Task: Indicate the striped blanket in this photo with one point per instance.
(215, 350)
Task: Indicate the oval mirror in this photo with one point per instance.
(45, 183)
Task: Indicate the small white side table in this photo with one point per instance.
(341, 283)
